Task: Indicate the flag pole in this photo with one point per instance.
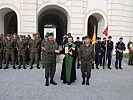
(94, 39)
(106, 34)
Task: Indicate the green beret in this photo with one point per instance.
(86, 37)
(49, 34)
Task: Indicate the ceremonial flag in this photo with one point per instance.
(94, 36)
(106, 32)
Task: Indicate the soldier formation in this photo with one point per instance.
(20, 51)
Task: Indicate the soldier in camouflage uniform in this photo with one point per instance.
(86, 58)
(21, 47)
(43, 50)
(50, 48)
(9, 48)
(39, 41)
(15, 39)
(1, 51)
(34, 49)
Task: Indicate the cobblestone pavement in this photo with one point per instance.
(30, 85)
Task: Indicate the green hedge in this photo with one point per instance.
(126, 55)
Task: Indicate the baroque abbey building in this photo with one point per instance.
(78, 17)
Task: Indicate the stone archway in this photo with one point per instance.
(55, 15)
(97, 20)
(9, 20)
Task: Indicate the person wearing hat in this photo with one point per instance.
(1, 51)
(39, 40)
(34, 46)
(86, 58)
(78, 44)
(97, 52)
(83, 38)
(103, 45)
(21, 48)
(120, 47)
(9, 49)
(43, 50)
(110, 47)
(51, 49)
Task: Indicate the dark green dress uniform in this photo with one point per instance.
(15, 50)
(86, 56)
(43, 53)
(50, 61)
(34, 49)
(1, 52)
(4, 52)
(21, 46)
(39, 49)
(130, 48)
(9, 48)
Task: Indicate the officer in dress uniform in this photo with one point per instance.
(110, 46)
(78, 44)
(97, 52)
(120, 47)
(103, 44)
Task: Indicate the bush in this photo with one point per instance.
(126, 55)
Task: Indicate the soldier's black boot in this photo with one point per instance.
(38, 66)
(0, 66)
(109, 67)
(6, 67)
(129, 62)
(83, 83)
(87, 82)
(43, 67)
(92, 66)
(31, 67)
(52, 82)
(97, 67)
(14, 67)
(19, 67)
(47, 82)
(24, 67)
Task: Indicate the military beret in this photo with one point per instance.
(98, 38)
(49, 34)
(110, 37)
(34, 34)
(86, 37)
(8, 35)
(121, 37)
(83, 38)
(77, 38)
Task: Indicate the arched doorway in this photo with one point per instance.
(96, 23)
(8, 21)
(53, 15)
